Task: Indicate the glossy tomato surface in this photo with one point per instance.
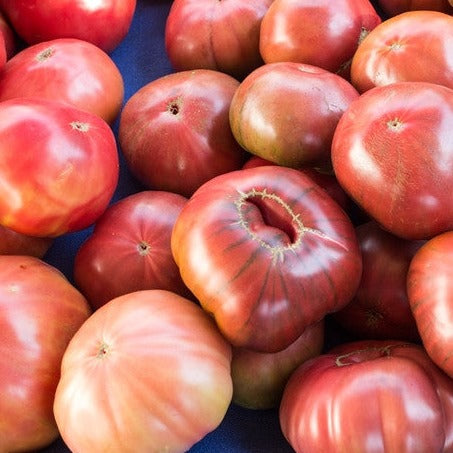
(412, 46)
(268, 253)
(369, 397)
(393, 153)
(153, 372)
(222, 36)
(104, 23)
(14, 243)
(394, 7)
(58, 167)
(129, 249)
(40, 311)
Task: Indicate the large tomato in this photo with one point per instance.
(430, 292)
(104, 23)
(268, 253)
(129, 248)
(147, 372)
(68, 70)
(317, 32)
(40, 311)
(174, 131)
(287, 112)
(412, 46)
(58, 166)
(370, 396)
(392, 152)
(223, 36)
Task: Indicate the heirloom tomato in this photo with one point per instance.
(394, 7)
(14, 243)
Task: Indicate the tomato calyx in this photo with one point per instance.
(365, 354)
(143, 248)
(80, 126)
(395, 124)
(45, 54)
(103, 350)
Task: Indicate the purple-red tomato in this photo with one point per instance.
(394, 7)
(222, 36)
(287, 112)
(105, 23)
(380, 308)
(147, 372)
(129, 249)
(174, 132)
(369, 396)
(68, 70)
(58, 167)
(392, 152)
(14, 243)
(267, 252)
(40, 311)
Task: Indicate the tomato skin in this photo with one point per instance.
(357, 386)
(392, 154)
(429, 290)
(39, 312)
(129, 249)
(267, 252)
(52, 70)
(394, 7)
(412, 46)
(154, 373)
(14, 243)
(104, 23)
(58, 165)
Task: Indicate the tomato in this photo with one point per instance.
(104, 23)
(287, 112)
(394, 7)
(222, 36)
(267, 252)
(380, 308)
(14, 243)
(129, 249)
(68, 70)
(391, 152)
(174, 132)
(9, 36)
(412, 46)
(149, 370)
(58, 167)
(317, 32)
(369, 397)
(39, 312)
(429, 286)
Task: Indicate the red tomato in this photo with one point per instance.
(58, 167)
(287, 112)
(394, 7)
(413, 46)
(318, 32)
(392, 152)
(9, 36)
(174, 132)
(430, 292)
(68, 70)
(268, 253)
(380, 309)
(39, 313)
(370, 396)
(129, 249)
(14, 243)
(149, 370)
(222, 36)
(104, 23)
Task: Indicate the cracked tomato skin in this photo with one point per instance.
(268, 253)
(369, 396)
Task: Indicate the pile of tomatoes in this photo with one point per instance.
(287, 244)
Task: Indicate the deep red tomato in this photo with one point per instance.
(174, 132)
(104, 23)
(394, 7)
(9, 36)
(318, 32)
(14, 243)
(287, 112)
(370, 396)
(68, 70)
(430, 292)
(392, 152)
(380, 309)
(268, 253)
(412, 46)
(58, 167)
(129, 249)
(149, 370)
(39, 313)
(223, 36)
